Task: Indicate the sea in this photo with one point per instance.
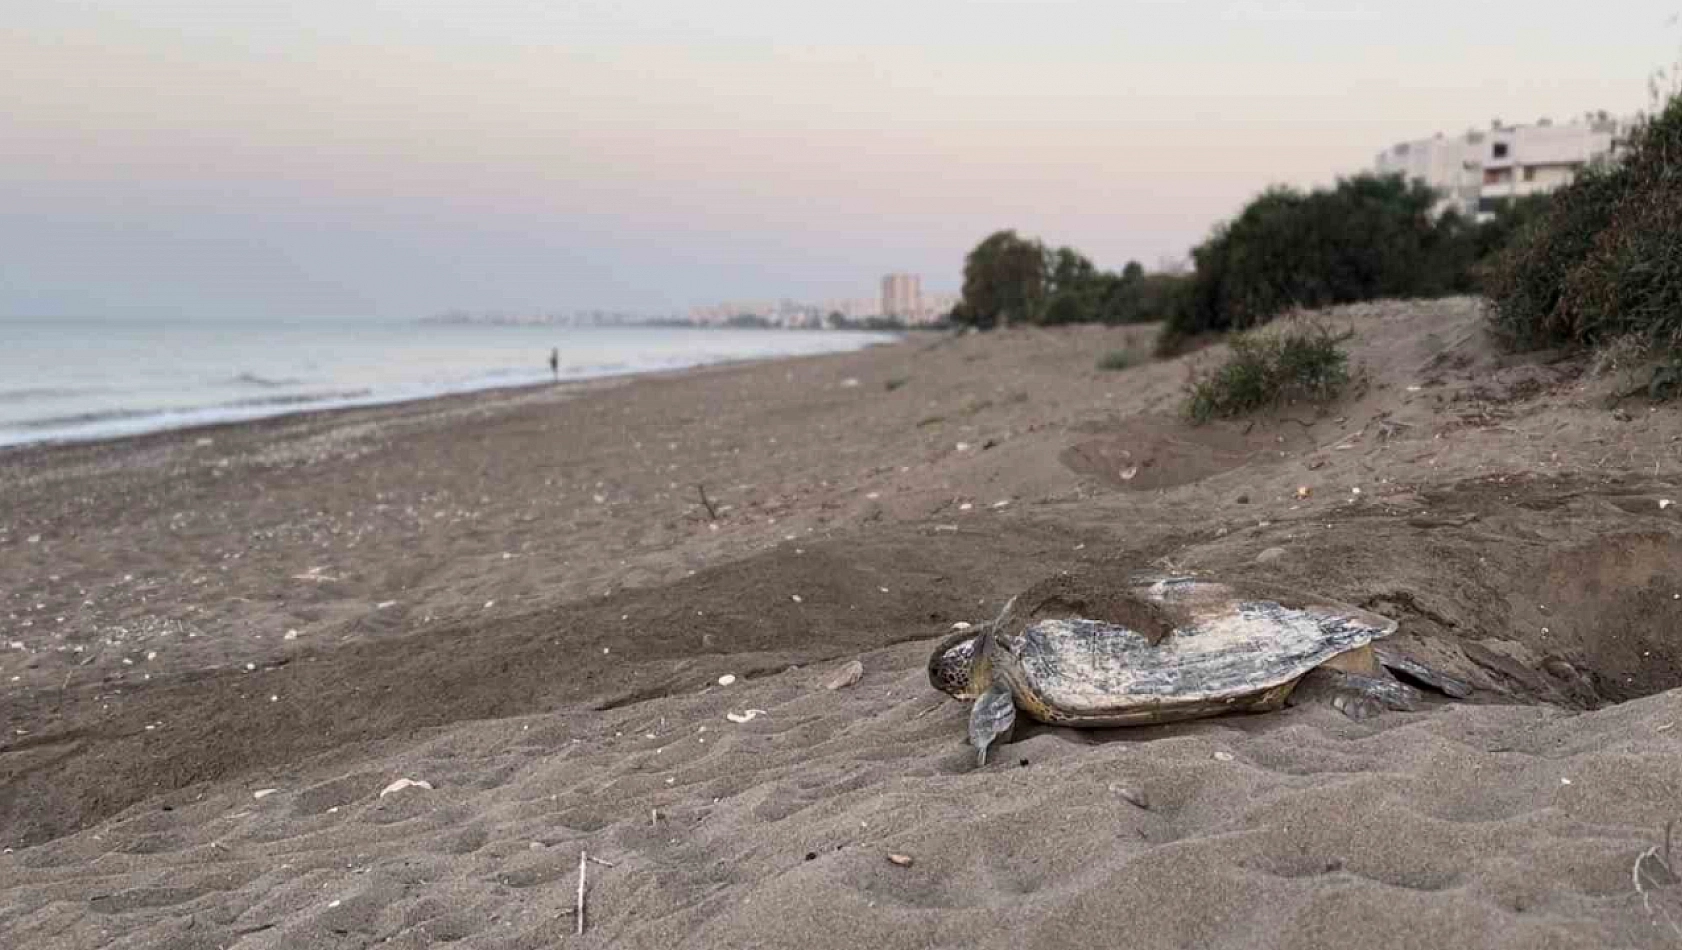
(68, 380)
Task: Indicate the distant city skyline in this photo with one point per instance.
(348, 157)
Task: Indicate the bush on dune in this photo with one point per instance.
(1604, 260)
(1371, 236)
(1300, 361)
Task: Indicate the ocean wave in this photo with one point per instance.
(296, 399)
(34, 393)
(83, 418)
(252, 379)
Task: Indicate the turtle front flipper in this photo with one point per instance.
(1355, 695)
(991, 718)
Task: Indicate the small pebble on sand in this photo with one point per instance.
(844, 677)
(1133, 796)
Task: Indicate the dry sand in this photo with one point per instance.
(220, 646)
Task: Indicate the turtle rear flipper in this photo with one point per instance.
(1354, 695)
(992, 717)
(1412, 670)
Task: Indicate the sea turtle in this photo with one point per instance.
(1075, 651)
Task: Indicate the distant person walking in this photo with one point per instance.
(555, 363)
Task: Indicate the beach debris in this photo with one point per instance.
(1132, 796)
(1223, 757)
(850, 382)
(795, 598)
(1002, 504)
(1129, 473)
(1303, 491)
(962, 446)
(263, 793)
(384, 604)
(1270, 555)
(727, 679)
(34, 539)
(404, 783)
(900, 860)
(965, 506)
(1652, 872)
(847, 675)
(290, 635)
(583, 874)
(748, 716)
(712, 512)
(584, 862)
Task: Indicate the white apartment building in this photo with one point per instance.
(902, 296)
(1478, 171)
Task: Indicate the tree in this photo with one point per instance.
(1371, 236)
(1005, 280)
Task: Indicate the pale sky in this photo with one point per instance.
(374, 157)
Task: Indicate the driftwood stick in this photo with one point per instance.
(712, 513)
(583, 869)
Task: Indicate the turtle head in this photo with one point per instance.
(962, 664)
(952, 667)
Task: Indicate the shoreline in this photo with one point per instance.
(400, 404)
(150, 422)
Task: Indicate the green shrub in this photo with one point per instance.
(1118, 360)
(1603, 260)
(1371, 236)
(1299, 362)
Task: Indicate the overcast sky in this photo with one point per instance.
(340, 157)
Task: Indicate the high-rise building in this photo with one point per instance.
(902, 296)
(1477, 172)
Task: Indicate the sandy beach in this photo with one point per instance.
(220, 649)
